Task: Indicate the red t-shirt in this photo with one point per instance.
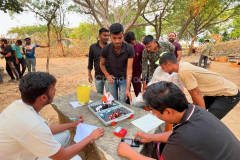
(137, 61)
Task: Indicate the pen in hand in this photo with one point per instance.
(74, 119)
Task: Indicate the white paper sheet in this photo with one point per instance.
(76, 104)
(82, 131)
(147, 123)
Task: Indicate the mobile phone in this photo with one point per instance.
(131, 142)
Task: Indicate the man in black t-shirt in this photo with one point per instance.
(7, 53)
(94, 58)
(196, 134)
(120, 61)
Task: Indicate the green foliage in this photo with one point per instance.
(11, 5)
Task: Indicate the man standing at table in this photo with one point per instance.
(205, 53)
(94, 57)
(120, 60)
(220, 94)
(150, 55)
(29, 50)
(178, 47)
(137, 61)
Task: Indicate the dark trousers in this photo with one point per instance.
(205, 61)
(11, 68)
(137, 85)
(1, 80)
(219, 106)
(23, 64)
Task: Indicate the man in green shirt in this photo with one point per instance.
(205, 53)
(19, 57)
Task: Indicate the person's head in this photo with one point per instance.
(166, 100)
(142, 38)
(206, 41)
(28, 41)
(37, 88)
(18, 42)
(116, 34)
(169, 63)
(171, 37)
(3, 42)
(130, 38)
(103, 35)
(150, 43)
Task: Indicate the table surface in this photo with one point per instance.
(108, 143)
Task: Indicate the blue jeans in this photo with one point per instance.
(31, 64)
(1, 80)
(113, 89)
(100, 85)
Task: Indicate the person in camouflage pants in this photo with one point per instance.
(151, 54)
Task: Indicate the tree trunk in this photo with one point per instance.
(187, 40)
(179, 35)
(192, 45)
(48, 54)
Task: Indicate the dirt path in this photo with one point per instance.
(71, 72)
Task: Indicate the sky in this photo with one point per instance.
(29, 19)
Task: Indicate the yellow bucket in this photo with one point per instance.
(83, 93)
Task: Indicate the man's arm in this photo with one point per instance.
(16, 59)
(179, 53)
(144, 69)
(42, 46)
(23, 49)
(90, 65)
(109, 77)
(197, 97)
(71, 151)
(129, 78)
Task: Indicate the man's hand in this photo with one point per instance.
(17, 61)
(124, 149)
(110, 79)
(97, 133)
(90, 78)
(145, 137)
(144, 87)
(75, 123)
(128, 95)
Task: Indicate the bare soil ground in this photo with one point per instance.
(71, 72)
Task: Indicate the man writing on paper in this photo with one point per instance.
(196, 135)
(25, 135)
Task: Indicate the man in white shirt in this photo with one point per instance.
(25, 135)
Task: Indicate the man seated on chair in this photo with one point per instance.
(25, 135)
(196, 135)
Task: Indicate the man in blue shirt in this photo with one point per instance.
(19, 59)
(29, 50)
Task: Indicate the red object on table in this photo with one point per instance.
(121, 133)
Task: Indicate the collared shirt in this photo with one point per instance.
(178, 47)
(94, 57)
(6, 50)
(201, 136)
(208, 82)
(207, 49)
(118, 62)
(137, 61)
(24, 134)
(152, 57)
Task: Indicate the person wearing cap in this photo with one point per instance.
(29, 50)
(205, 53)
(150, 54)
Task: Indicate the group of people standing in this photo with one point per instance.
(15, 62)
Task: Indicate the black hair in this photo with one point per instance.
(129, 37)
(116, 28)
(35, 84)
(174, 33)
(206, 40)
(19, 42)
(148, 39)
(4, 41)
(162, 95)
(168, 57)
(27, 38)
(103, 30)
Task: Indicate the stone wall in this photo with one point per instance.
(226, 48)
